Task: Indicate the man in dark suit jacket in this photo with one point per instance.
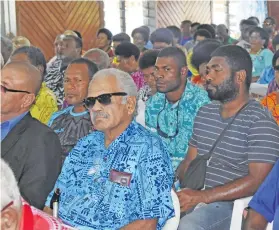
(32, 150)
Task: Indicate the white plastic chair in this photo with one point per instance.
(239, 206)
(172, 224)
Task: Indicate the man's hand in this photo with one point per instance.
(189, 198)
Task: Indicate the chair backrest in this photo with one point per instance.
(172, 224)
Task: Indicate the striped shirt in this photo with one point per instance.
(253, 137)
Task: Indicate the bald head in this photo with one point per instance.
(30, 76)
(98, 56)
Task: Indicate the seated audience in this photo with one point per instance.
(31, 149)
(269, 25)
(242, 158)
(267, 76)
(119, 38)
(6, 49)
(73, 123)
(201, 56)
(140, 38)
(103, 42)
(99, 57)
(274, 84)
(222, 33)
(271, 101)
(200, 35)
(120, 176)
(148, 44)
(45, 103)
(17, 214)
(245, 27)
(190, 44)
(161, 38)
(170, 113)
(264, 206)
(20, 41)
(69, 48)
(146, 64)
(186, 32)
(128, 56)
(275, 43)
(254, 19)
(177, 37)
(58, 48)
(209, 28)
(260, 55)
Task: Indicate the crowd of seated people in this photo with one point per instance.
(119, 127)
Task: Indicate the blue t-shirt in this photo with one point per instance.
(266, 199)
(261, 61)
(91, 200)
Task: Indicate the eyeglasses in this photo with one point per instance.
(276, 68)
(163, 134)
(104, 99)
(8, 205)
(5, 89)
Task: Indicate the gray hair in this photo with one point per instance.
(124, 80)
(9, 189)
(104, 62)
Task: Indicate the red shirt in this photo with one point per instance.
(35, 219)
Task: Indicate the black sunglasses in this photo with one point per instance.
(104, 99)
(276, 68)
(163, 134)
(5, 89)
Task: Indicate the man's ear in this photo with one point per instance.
(131, 104)
(28, 100)
(132, 59)
(241, 77)
(184, 71)
(9, 219)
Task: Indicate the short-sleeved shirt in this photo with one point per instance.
(70, 127)
(261, 61)
(266, 199)
(175, 117)
(89, 198)
(252, 137)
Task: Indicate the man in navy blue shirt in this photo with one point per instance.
(264, 207)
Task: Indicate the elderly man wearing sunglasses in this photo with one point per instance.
(29, 147)
(119, 176)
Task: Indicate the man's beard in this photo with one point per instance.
(225, 92)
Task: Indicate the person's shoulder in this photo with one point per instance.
(256, 112)
(267, 52)
(61, 112)
(196, 93)
(145, 134)
(156, 98)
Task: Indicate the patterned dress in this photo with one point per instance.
(178, 117)
(92, 199)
